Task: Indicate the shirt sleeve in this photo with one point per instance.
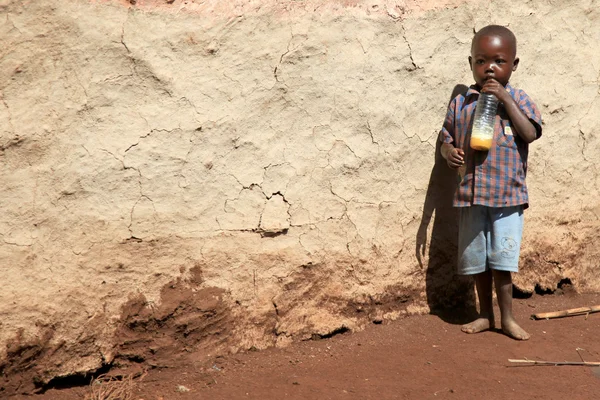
(447, 132)
(531, 111)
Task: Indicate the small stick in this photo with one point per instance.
(536, 362)
(580, 356)
(567, 313)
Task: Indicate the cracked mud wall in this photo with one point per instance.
(284, 151)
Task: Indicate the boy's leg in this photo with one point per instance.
(485, 321)
(472, 260)
(505, 244)
(503, 281)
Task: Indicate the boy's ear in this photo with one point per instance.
(471, 65)
(515, 64)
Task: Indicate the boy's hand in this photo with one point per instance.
(519, 121)
(456, 158)
(494, 87)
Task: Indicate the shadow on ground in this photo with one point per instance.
(449, 296)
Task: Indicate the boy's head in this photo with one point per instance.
(493, 55)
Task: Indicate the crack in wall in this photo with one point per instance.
(339, 197)
(410, 52)
(10, 122)
(238, 83)
(207, 165)
(14, 243)
(345, 145)
(117, 78)
(136, 64)
(272, 232)
(288, 50)
(259, 228)
(191, 103)
(249, 187)
(361, 45)
(356, 233)
(315, 226)
(123, 32)
(82, 87)
(279, 64)
(277, 194)
(142, 196)
(584, 144)
(115, 157)
(13, 24)
(150, 134)
(78, 253)
(581, 132)
(371, 134)
(141, 188)
(145, 136)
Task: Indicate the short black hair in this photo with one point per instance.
(496, 30)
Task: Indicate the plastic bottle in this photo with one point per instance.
(483, 122)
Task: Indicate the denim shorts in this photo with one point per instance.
(489, 238)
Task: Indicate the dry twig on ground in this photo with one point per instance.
(111, 388)
(567, 313)
(537, 362)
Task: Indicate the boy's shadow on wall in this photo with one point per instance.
(449, 296)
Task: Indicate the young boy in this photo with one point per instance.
(492, 194)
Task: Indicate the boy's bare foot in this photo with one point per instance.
(513, 330)
(479, 325)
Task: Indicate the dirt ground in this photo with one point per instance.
(419, 357)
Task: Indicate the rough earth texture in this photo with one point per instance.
(421, 357)
(235, 175)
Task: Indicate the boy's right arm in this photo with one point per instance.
(454, 156)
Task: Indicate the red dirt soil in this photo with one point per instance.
(419, 357)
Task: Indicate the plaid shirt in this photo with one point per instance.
(494, 178)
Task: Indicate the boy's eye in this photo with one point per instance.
(500, 61)
(480, 62)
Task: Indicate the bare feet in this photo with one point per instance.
(513, 330)
(479, 325)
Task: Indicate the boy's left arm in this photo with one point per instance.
(519, 121)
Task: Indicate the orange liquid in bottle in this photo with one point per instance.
(482, 133)
(479, 143)
(482, 136)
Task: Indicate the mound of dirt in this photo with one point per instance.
(188, 319)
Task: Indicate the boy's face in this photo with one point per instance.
(492, 57)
